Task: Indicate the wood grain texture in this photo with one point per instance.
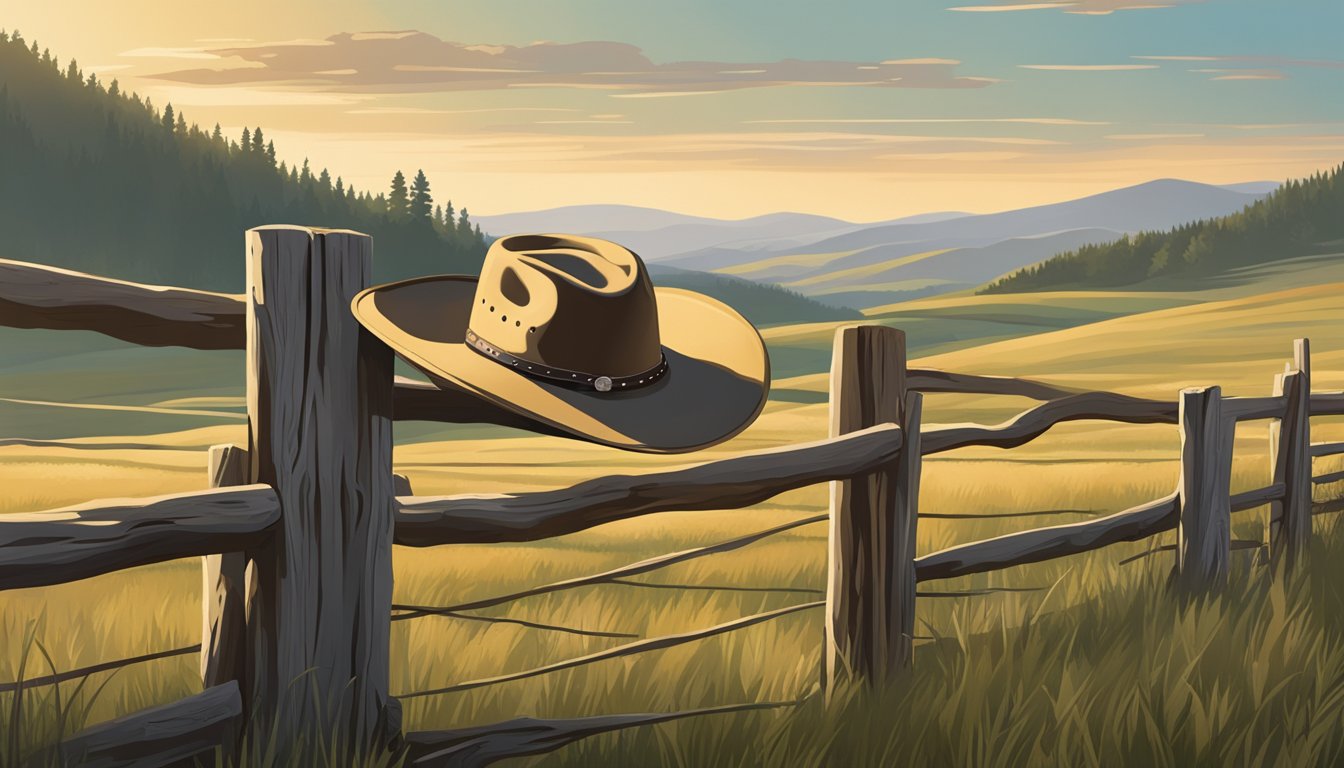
(319, 403)
(36, 296)
(925, 380)
(487, 744)
(1290, 457)
(1204, 535)
(61, 545)
(168, 735)
(224, 584)
(863, 632)
(740, 481)
(1327, 404)
(904, 525)
(1041, 544)
(1259, 497)
(1031, 424)
(1252, 408)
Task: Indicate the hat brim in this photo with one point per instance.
(717, 382)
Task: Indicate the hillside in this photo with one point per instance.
(761, 304)
(1301, 218)
(99, 180)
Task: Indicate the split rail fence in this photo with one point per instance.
(296, 532)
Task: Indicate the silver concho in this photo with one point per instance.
(602, 384)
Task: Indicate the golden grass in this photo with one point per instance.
(1096, 667)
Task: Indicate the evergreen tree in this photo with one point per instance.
(398, 202)
(246, 144)
(463, 222)
(420, 197)
(168, 121)
(258, 145)
(114, 89)
(216, 136)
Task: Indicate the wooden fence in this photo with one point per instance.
(296, 532)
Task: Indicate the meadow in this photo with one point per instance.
(1094, 665)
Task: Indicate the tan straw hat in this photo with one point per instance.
(570, 331)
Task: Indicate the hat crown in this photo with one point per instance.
(568, 303)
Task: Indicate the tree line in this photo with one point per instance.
(99, 179)
(1300, 218)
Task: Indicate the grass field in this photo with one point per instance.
(1098, 666)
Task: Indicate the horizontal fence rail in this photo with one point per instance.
(41, 548)
(724, 484)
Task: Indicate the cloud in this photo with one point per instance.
(920, 120)
(1088, 67)
(1268, 61)
(1085, 7)
(1247, 67)
(417, 61)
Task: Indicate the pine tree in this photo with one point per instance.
(114, 89)
(246, 143)
(258, 145)
(181, 123)
(398, 203)
(449, 215)
(437, 216)
(270, 153)
(216, 136)
(340, 187)
(73, 73)
(464, 223)
(168, 121)
(420, 197)
(324, 179)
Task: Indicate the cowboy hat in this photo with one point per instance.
(570, 331)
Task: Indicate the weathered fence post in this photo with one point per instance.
(319, 404)
(1290, 452)
(1204, 535)
(871, 582)
(223, 582)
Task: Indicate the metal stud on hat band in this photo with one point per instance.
(563, 376)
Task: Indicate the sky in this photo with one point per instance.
(859, 110)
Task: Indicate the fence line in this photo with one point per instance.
(300, 281)
(609, 576)
(629, 649)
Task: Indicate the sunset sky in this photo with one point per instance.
(862, 110)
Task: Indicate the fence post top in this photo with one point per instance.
(309, 231)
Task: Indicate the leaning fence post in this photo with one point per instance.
(319, 404)
(870, 589)
(223, 582)
(1290, 441)
(1204, 535)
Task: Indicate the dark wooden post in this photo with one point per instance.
(224, 590)
(319, 404)
(1290, 441)
(870, 591)
(1204, 536)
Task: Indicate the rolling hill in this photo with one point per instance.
(1300, 218)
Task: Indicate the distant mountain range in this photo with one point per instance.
(860, 265)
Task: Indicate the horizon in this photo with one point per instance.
(884, 113)
(1231, 187)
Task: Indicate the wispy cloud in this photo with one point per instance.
(417, 61)
(1247, 67)
(1152, 136)
(1089, 67)
(924, 120)
(1268, 61)
(1086, 7)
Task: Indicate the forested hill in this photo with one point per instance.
(1298, 219)
(95, 179)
